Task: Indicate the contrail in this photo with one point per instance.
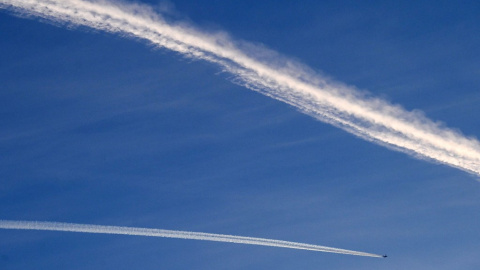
(370, 118)
(87, 228)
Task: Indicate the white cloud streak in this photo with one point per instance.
(87, 228)
(370, 118)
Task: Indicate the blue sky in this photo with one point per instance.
(101, 129)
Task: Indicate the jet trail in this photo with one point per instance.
(87, 228)
(263, 71)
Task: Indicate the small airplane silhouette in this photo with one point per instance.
(384, 256)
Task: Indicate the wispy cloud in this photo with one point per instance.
(87, 228)
(370, 118)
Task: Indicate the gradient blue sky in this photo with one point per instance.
(105, 130)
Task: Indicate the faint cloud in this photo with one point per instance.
(168, 9)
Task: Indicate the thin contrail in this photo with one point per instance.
(87, 228)
(370, 118)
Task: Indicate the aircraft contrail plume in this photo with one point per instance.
(87, 228)
(372, 119)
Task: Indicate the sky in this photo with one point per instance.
(102, 129)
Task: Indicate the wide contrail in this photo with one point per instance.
(87, 228)
(370, 118)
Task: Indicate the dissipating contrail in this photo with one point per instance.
(268, 73)
(88, 228)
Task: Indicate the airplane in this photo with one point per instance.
(384, 256)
